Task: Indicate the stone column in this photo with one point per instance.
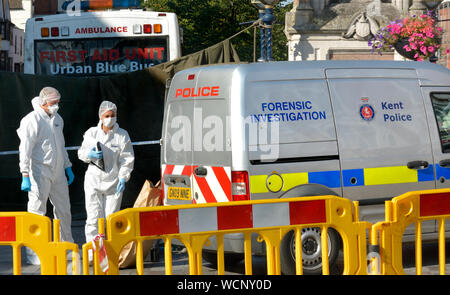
(301, 13)
(418, 7)
(402, 5)
(302, 4)
(318, 6)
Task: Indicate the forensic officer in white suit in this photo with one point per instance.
(44, 162)
(104, 183)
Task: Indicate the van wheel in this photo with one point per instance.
(310, 238)
(311, 251)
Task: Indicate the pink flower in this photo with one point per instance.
(423, 49)
(421, 31)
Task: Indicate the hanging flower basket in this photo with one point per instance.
(414, 37)
(400, 48)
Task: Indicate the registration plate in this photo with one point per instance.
(179, 193)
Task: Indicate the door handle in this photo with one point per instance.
(417, 165)
(444, 163)
(200, 171)
(173, 180)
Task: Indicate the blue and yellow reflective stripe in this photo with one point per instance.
(350, 177)
(389, 175)
(442, 172)
(291, 180)
(385, 175)
(330, 179)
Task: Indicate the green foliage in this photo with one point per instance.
(208, 22)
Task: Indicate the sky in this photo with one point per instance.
(286, 2)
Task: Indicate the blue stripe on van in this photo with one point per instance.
(426, 174)
(442, 172)
(330, 179)
(353, 177)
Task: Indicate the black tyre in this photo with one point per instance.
(311, 251)
(310, 238)
(230, 259)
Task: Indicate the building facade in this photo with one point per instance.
(5, 36)
(12, 41)
(443, 12)
(21, 10)
(340, 29)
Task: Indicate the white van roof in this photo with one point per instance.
(429, 74)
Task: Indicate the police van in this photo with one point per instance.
(364, 130)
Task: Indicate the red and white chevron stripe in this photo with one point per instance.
(232, 216)
(213, 188)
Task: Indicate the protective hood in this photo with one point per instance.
(35, 102)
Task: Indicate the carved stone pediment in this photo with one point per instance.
(362, 27)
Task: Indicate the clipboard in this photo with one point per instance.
(99, 163)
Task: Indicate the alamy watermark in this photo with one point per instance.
(73, 8)
(212, 133)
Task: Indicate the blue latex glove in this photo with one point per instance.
(70, 175)
(120, 186)
(94, 154)
(26, 184)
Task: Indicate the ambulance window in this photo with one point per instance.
(441, 106)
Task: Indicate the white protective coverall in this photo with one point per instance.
(100, 186)
(43, 156)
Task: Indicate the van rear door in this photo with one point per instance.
(211, 166)
(176, 149)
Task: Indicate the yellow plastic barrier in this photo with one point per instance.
(402, 211)
(271, 219)
(193, 225)
(18, 229)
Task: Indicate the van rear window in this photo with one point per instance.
(441, 107)
(177, 134)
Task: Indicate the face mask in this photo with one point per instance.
(53, 109)
(109, 122)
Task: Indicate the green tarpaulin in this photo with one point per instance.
(139, 97)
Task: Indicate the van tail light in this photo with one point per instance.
(239, 186)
